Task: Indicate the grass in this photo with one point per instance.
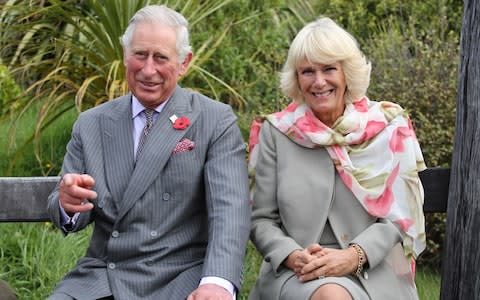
(35, 256)
(428, 283)
(22, 157)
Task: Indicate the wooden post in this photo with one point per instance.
(461, 260)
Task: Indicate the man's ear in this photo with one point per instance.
(125, 52)
(185, 63)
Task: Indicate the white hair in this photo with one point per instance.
(163, 15)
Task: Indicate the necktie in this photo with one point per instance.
(146, 130)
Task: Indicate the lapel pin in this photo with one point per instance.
(173, 118)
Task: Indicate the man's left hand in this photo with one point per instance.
(210, 291)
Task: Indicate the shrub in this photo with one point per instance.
(420, 73)
(413, 46)
(9, 90)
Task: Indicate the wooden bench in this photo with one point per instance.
(24, 199)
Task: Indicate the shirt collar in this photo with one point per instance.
(137, 107)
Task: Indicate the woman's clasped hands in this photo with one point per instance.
(316, 261)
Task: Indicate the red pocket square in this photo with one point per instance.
(184, 146)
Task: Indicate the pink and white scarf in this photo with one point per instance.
(376, 153)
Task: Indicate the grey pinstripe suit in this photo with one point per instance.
(173, 218)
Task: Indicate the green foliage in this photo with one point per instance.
(33, 257)
(68, 56)
(363, 17)
(251, 267)
(418, 69)
(413, 46)
(68, 53)
(65, 56)
(8, 89)
(428, 283)
(250, 62)
(421, 75)
(25, 156)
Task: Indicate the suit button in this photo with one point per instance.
(153, 233)
(115, 234)
(111, 266)
(166, 196)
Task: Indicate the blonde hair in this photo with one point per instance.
(323, 41)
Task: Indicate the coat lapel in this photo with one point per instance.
(118, 147)
(158, 148)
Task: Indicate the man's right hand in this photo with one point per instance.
(75, 191)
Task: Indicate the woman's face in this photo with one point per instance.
(323, 88)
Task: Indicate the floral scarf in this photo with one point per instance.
(376, 153)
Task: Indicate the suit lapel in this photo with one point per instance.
(118, 146)
(158, 148)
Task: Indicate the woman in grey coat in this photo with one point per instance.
(337, 201)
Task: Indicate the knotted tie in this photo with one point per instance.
(146, 130)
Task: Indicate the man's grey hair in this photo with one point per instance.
(163, 15)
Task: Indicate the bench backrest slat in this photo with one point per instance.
(435, 183)
(24, 199)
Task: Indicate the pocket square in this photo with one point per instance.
(184, 146)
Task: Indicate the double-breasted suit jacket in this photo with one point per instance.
(162, 223)
(297, 190)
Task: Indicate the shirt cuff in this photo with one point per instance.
(66, 221)
(221, 282)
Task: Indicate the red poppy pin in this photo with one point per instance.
(180, 123)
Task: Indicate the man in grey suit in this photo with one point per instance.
(161, 173)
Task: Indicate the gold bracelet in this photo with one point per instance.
(361, 259)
